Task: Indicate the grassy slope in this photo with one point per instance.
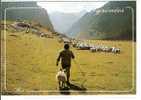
(31, 65)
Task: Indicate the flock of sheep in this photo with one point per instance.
(83, 45)
(95, 48)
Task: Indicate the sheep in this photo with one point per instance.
(107, 49)
(93, 49)
(84, 48)
(74, 44)
(115, 50)
(78, 45)
(61, 78)
(42, 34)
(98, 48)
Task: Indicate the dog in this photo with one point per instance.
(61, 78)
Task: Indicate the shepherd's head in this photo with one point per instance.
(66, 46)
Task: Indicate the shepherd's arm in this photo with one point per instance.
(58, 59)
(72, 55)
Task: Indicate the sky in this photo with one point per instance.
(70, 7)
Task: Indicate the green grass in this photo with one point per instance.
(30, 65)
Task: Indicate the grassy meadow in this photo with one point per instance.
(31, 66)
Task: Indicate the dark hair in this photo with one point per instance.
(66, 46)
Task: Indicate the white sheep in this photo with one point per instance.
(107, 49)
(115, 50)
(93, 49)
(61, 78)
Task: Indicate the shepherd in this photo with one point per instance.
(66, 55)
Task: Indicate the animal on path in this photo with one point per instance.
(61, 78)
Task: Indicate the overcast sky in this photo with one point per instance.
(69, 7)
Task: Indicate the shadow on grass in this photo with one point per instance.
(67, 90)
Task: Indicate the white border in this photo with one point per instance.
(60, 0)
(55, 91)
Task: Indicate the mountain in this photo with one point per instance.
(63, 21)
(112, 21)
(27, 11)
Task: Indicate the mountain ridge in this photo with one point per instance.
(34, 13)
(106, 25)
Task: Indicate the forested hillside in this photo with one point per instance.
(112, 21)
(26, 11)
